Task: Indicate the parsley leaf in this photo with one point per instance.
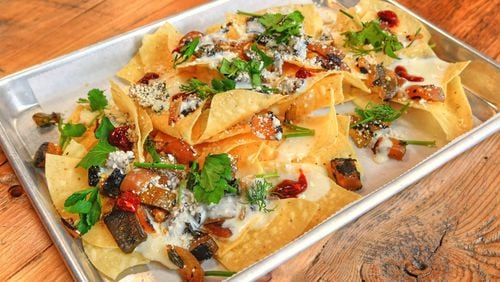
(382, 112)
(210, 184)
(254, 68)
(68, 130)
(186, 52)
(263, 56)
(258, 193)
(223, 85)
(87, 204)
(104, 129)
(372, 34)
(97, 100)
(99, 153)
(279, 26)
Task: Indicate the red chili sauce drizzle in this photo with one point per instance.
(402, 72)
(128, 201)
(291, 188)
(303, 73)
(388, 18)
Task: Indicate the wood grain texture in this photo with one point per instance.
(445, 227)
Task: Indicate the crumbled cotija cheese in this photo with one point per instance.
(154, 94)
(120, 160)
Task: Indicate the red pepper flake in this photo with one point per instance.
(388, 18)
(291, 188)
(128, 201)
(402, 72)
(118, 137)
(303, 73)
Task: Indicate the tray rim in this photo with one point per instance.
(335, 222)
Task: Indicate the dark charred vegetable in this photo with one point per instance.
(330, 57)
(158, 197)
(382, 82)
(45, 148)
(426, 92)
(93, 175)
(203, 248)
(362, 133)
(45, 120)
(346, 174)
(126, 229)
(118, 137)
(111, 186)
(189, 267)
(362, 65)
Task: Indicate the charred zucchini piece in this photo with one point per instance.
(203, 248)
(126, 229)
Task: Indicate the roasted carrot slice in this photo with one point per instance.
(346, 174)
(426, 92)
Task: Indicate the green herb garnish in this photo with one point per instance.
(279, 26)
(99, 153)
(150, 147)
(254, 68)
(204, 91)
(258, 193)
(69, 130)
(219, 273)
(372, 34)
(210, 184)
(87, 204)
(414, 37)
(268, 175)
(347, 14)
(297, 131)
(382, 112)
(186, 52)
(263, 56)
(97, 100)
(420, 142)
(160, 166)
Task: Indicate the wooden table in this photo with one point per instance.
(444, 227)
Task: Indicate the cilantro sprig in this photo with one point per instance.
(372, 34)
(281, 27)
(382, 112)
(297, 131)
(96, 99)
(211, 182)
(257, 195)
(254, 67)
(186, 52)
(87, 204)
(69, 130)
(203, 90)
(99, 153)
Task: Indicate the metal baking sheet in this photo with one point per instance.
(56, 84)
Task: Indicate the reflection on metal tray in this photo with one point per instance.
(41, 88)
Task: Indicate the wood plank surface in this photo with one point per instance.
(445, 227)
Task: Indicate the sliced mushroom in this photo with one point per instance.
(203, 247)
(189, 267)
(45, 148)
(159, 198)
(382, 82)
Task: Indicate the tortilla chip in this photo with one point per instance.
(60, 188)
(230, 108)
(112, 262)
(127, 105)
(133, 71)
(291, 220)
(75, 150)
(156, 50)
(99, 236)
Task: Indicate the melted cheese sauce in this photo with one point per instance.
(432, 69)
(294, 149)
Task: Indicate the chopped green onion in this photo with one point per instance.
(414, 37)
(420, 142)
(160, 166)
(248, 14)
(297, 131)
(219, 273)
(152, 151)
(347, 14)
(299, 134)
(268, 175)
